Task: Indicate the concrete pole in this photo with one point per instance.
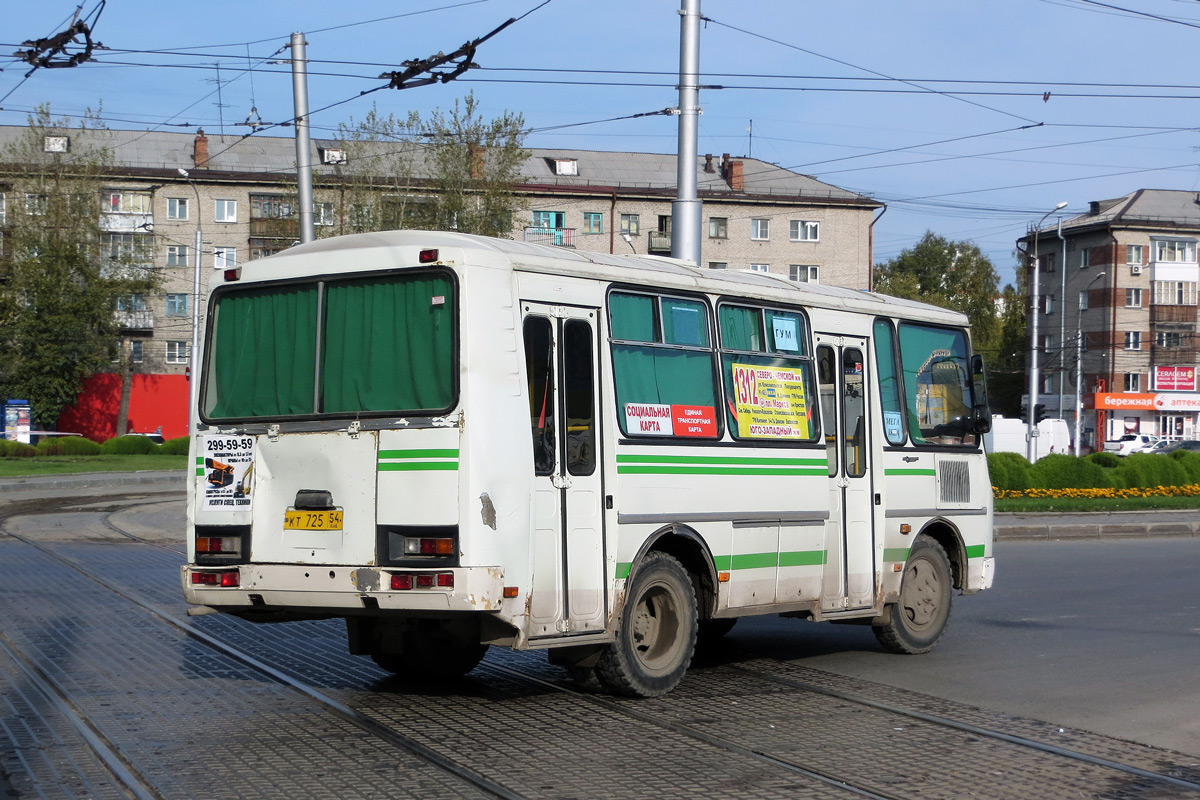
(1031, 418)
(304, 192)
(686, 209)
(1062, 324)
(194, 354)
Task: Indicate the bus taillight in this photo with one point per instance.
(403, 581)
(226, 580)
(428, 547)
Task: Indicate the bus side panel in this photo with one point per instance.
(418, 476)
(802, 558)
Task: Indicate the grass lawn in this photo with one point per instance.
(62, 465)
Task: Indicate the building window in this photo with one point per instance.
(36, 204)
(177, 352)
(664, 223)
(1085, 258)
(1177, 250)
(56, 144)
(330, 155)
(549, 219)
(224, 257)
(267, 206)
(802, 231)
(323, 215)
(128, 249)
(1135, 254)
(1133, 382)
(1046, 262)
(177, 208)
(1048, 305)
(1174, 293)
(760, 230)
(1046, 342)
(127, 202)
(177, 305)
(131, 302)
(1169, 339)
(804, 273)
(1133, 298)
(1083, 300)
(718, 227)
(760, 267)
(177, 255)
(630, 224)
(226, 211)
(135, 351)
(1133, 340)
(718, 265)
(593, 222)
(1048, 384)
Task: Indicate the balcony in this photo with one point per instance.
(135, 320)
(275, 228)
(559, 237)
(658, 242)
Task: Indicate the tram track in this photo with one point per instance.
(626, 709)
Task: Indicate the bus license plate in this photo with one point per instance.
(330, 520)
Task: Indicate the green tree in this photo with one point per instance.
(955, 275)
(60, 276)
(452, 171)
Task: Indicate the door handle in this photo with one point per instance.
(910, 459)
(561, 482)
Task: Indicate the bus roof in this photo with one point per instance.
(632, 269)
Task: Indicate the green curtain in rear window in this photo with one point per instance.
(661, 376)
(389, 345)
(263, 356)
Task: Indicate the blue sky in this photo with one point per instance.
(954, 91)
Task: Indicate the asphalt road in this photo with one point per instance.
(1098, 635)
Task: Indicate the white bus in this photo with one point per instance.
(453, 442)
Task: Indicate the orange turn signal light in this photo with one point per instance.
(510, 591)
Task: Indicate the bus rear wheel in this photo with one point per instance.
(919, 619)
(656, 636)
(431, 656)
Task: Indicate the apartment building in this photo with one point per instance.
(175, 202)
(1118, 287)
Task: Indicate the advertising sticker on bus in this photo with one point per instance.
(770, 402)
(226, 469)
(660, 419)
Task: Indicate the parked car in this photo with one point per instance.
(1182, 444)
(1130, 443)
(1160, 446)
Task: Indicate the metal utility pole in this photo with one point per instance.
(304, 192)
(1031, 435)
(1079, 364)
(686, 208)
(194, 353)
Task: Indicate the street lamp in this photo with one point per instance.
(194, 354)
(1079, 360)
(1030, 418)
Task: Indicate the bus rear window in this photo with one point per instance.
(378, 345)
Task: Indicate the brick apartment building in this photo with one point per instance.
(1124, 274)
(240, 194)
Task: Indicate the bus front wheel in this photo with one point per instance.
(918, 620)
(657, 631)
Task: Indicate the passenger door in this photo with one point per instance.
(568, 545)
(849, 577)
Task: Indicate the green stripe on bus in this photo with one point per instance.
(975, 551)
(909, 472)
(804, 558)
(796, 558)
(199, 472)
(199, 461)
(806, 462)
(416, 466)
(623, 570)
(418, 453)
(895, 554)
(654, 469)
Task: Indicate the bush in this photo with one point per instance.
(16, 449)
(1106, 460)
(128, 446)
(79, 446)
(1061, 471)
(1190, 462)
(174, 447)
(1008, 470)
(1141, 470)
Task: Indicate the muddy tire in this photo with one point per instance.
(919, 618)
(656, 635)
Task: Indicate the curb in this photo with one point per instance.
(170, 479)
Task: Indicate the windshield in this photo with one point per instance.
(383, 344)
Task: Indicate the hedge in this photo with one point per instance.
(1010, 472)
(129, 446)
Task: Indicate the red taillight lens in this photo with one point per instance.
(427, 256)
(205, 578)
(230, 579)
(233, 274)
(425, 581)
(401, 582)
(445, 580)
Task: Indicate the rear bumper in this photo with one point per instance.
(342, 589)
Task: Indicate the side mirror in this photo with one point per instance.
(980, 411)
(982, 419)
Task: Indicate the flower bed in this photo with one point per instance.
(1192, 490)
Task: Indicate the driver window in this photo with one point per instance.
(937, 384)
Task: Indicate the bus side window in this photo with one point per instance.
(579, 398)
(827, 382)
(539, 365)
